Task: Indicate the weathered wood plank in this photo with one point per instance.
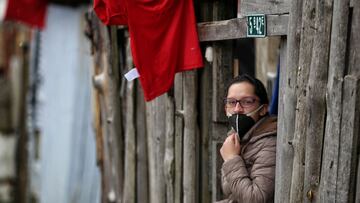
(301, 115)
(246, 7)
(236, 28)
(107, 83)
(354, 52)
(179, 129)
(334, 94)
(349, 140)
(357, 195)
(284, 153)
(155, 114)
(190, 134)
(287, 104)
(219, 133)
(316, 99)
(205, 113)
(130, 137)
(217, 162)
(205, 129)
(142, 180)
(222, 73)
(5, 105)
(169, 160)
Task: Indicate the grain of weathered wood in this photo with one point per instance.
(301, 117)
(205, 125)
(222, 73)
(287, 104)
(130, 138)
(142, 179)
(246, 7)
(236, 28)
(217, 162)
(349, 139)
(169, 160)
(316, 90)
(130, 147)
(110, 112)
(179, 129)
(357, 195)
(284, 149)
(155, 114)
(334, 101)
(354, 52)
(190, 134)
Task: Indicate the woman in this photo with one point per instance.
(248, 171)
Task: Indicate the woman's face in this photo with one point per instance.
(241, 99)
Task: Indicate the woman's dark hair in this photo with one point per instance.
(259, 87)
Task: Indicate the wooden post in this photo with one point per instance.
(205, 112)
(169, 160)
(130, 138)
(106, 81)
(349, 140)
(142, 176)
(337, 63)
(287, 104)
(190, 133)
(156, 125)
(354, 58)
(316, 99)
(298, 143)
(179, 129)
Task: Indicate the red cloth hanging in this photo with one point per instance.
(163, 35)
(30, 12)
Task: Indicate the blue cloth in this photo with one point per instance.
(273, 110)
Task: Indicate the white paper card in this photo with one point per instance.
(132, 74)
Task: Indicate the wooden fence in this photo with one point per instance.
(166, 150)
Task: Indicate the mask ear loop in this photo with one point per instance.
(237, 122)
(256, 110)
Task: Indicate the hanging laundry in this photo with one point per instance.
(30, 12)
(163, 35)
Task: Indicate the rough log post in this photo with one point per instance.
(354, 55)
(142, 180)
(334, 101)
(179, 128)
(190, 134)
(354, 60)
(155, 114)
(284, 149)
(130, 138)
(169, 160)
(205, 79)
(316, 99)
(107, 84)
(287, 103)
(348, 153)
(222, 65)
(301, 117)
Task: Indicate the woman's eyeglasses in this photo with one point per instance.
(244, 102)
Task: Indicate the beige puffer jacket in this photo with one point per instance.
(250, 177)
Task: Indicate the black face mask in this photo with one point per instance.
(242, 123)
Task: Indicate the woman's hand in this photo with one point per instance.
(231, 147)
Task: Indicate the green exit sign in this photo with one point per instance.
(256, 25)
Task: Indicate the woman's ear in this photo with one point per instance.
(264, 110)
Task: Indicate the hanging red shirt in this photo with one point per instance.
(163, 36)
(30, 12)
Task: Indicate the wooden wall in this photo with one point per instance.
(167, 150)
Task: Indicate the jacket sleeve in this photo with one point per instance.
(257, 184)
